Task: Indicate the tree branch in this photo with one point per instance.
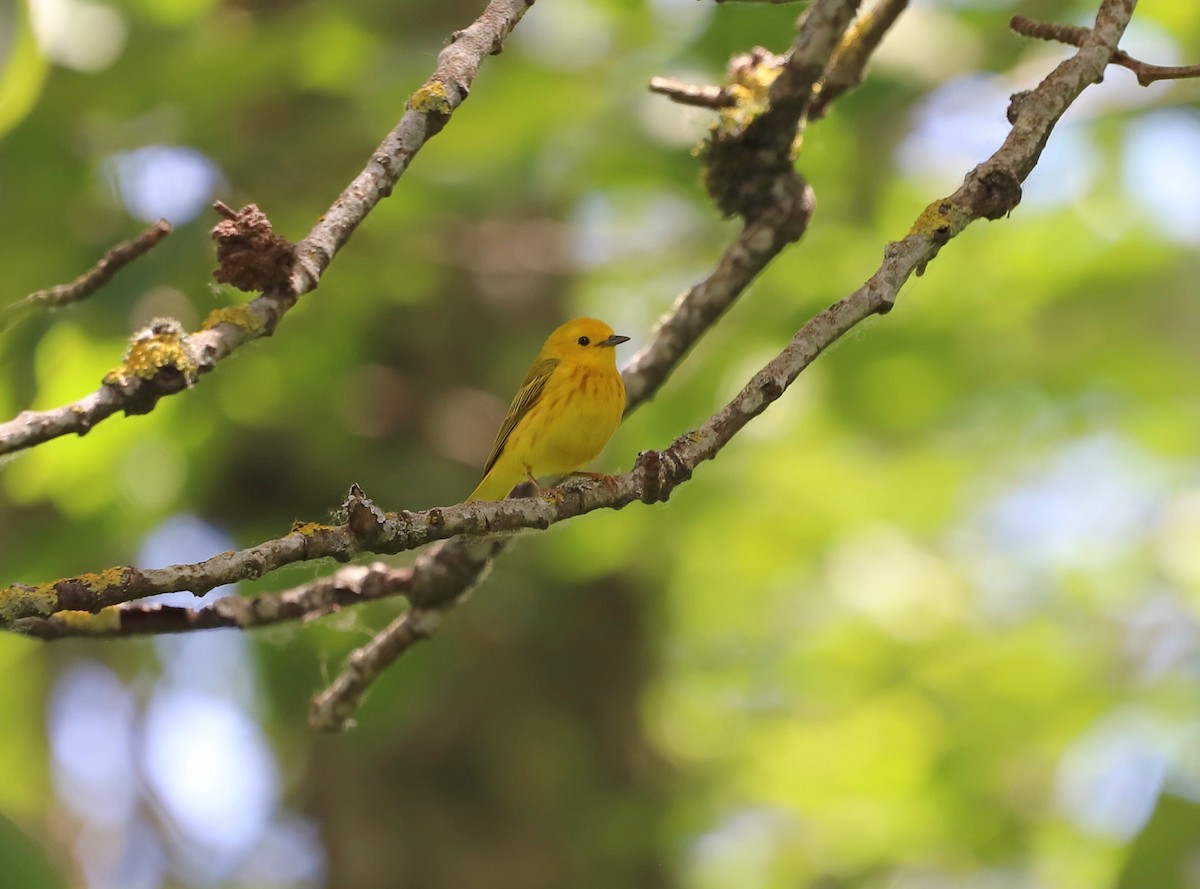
(351, 585)
(714, 97)
(849, 62)
(427, 112)
(91, 280)
(1073, 35)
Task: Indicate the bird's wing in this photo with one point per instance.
(529, 394)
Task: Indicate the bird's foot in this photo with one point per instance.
(608, 481)
(531, 488)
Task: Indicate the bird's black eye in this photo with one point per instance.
(584, 341)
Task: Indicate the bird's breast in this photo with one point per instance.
(581, 416)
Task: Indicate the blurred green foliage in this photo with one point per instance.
(933, 620)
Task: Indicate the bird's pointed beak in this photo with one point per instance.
(615, 340)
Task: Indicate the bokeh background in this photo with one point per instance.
(932, 621)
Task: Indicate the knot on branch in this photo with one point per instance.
(994, 191)
(250, 255)
(657, 474)
(1015, 103)
(366, 520)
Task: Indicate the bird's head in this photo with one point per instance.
(584, 341)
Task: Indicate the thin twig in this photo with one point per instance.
(689, 94)
(1073, 35)
(91, 280)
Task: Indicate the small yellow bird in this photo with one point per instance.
(565, 412)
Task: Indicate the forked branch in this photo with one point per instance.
(1073, 35)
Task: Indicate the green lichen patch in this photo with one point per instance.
(22, 600)
(239, 316)
(941, 219)
(431, 97)
(106, 620)
(308, 529)
(101, 581)
(750, 79)
(163, 344)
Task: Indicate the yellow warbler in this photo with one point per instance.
(566, 411)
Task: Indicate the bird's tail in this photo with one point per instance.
(493, 487)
